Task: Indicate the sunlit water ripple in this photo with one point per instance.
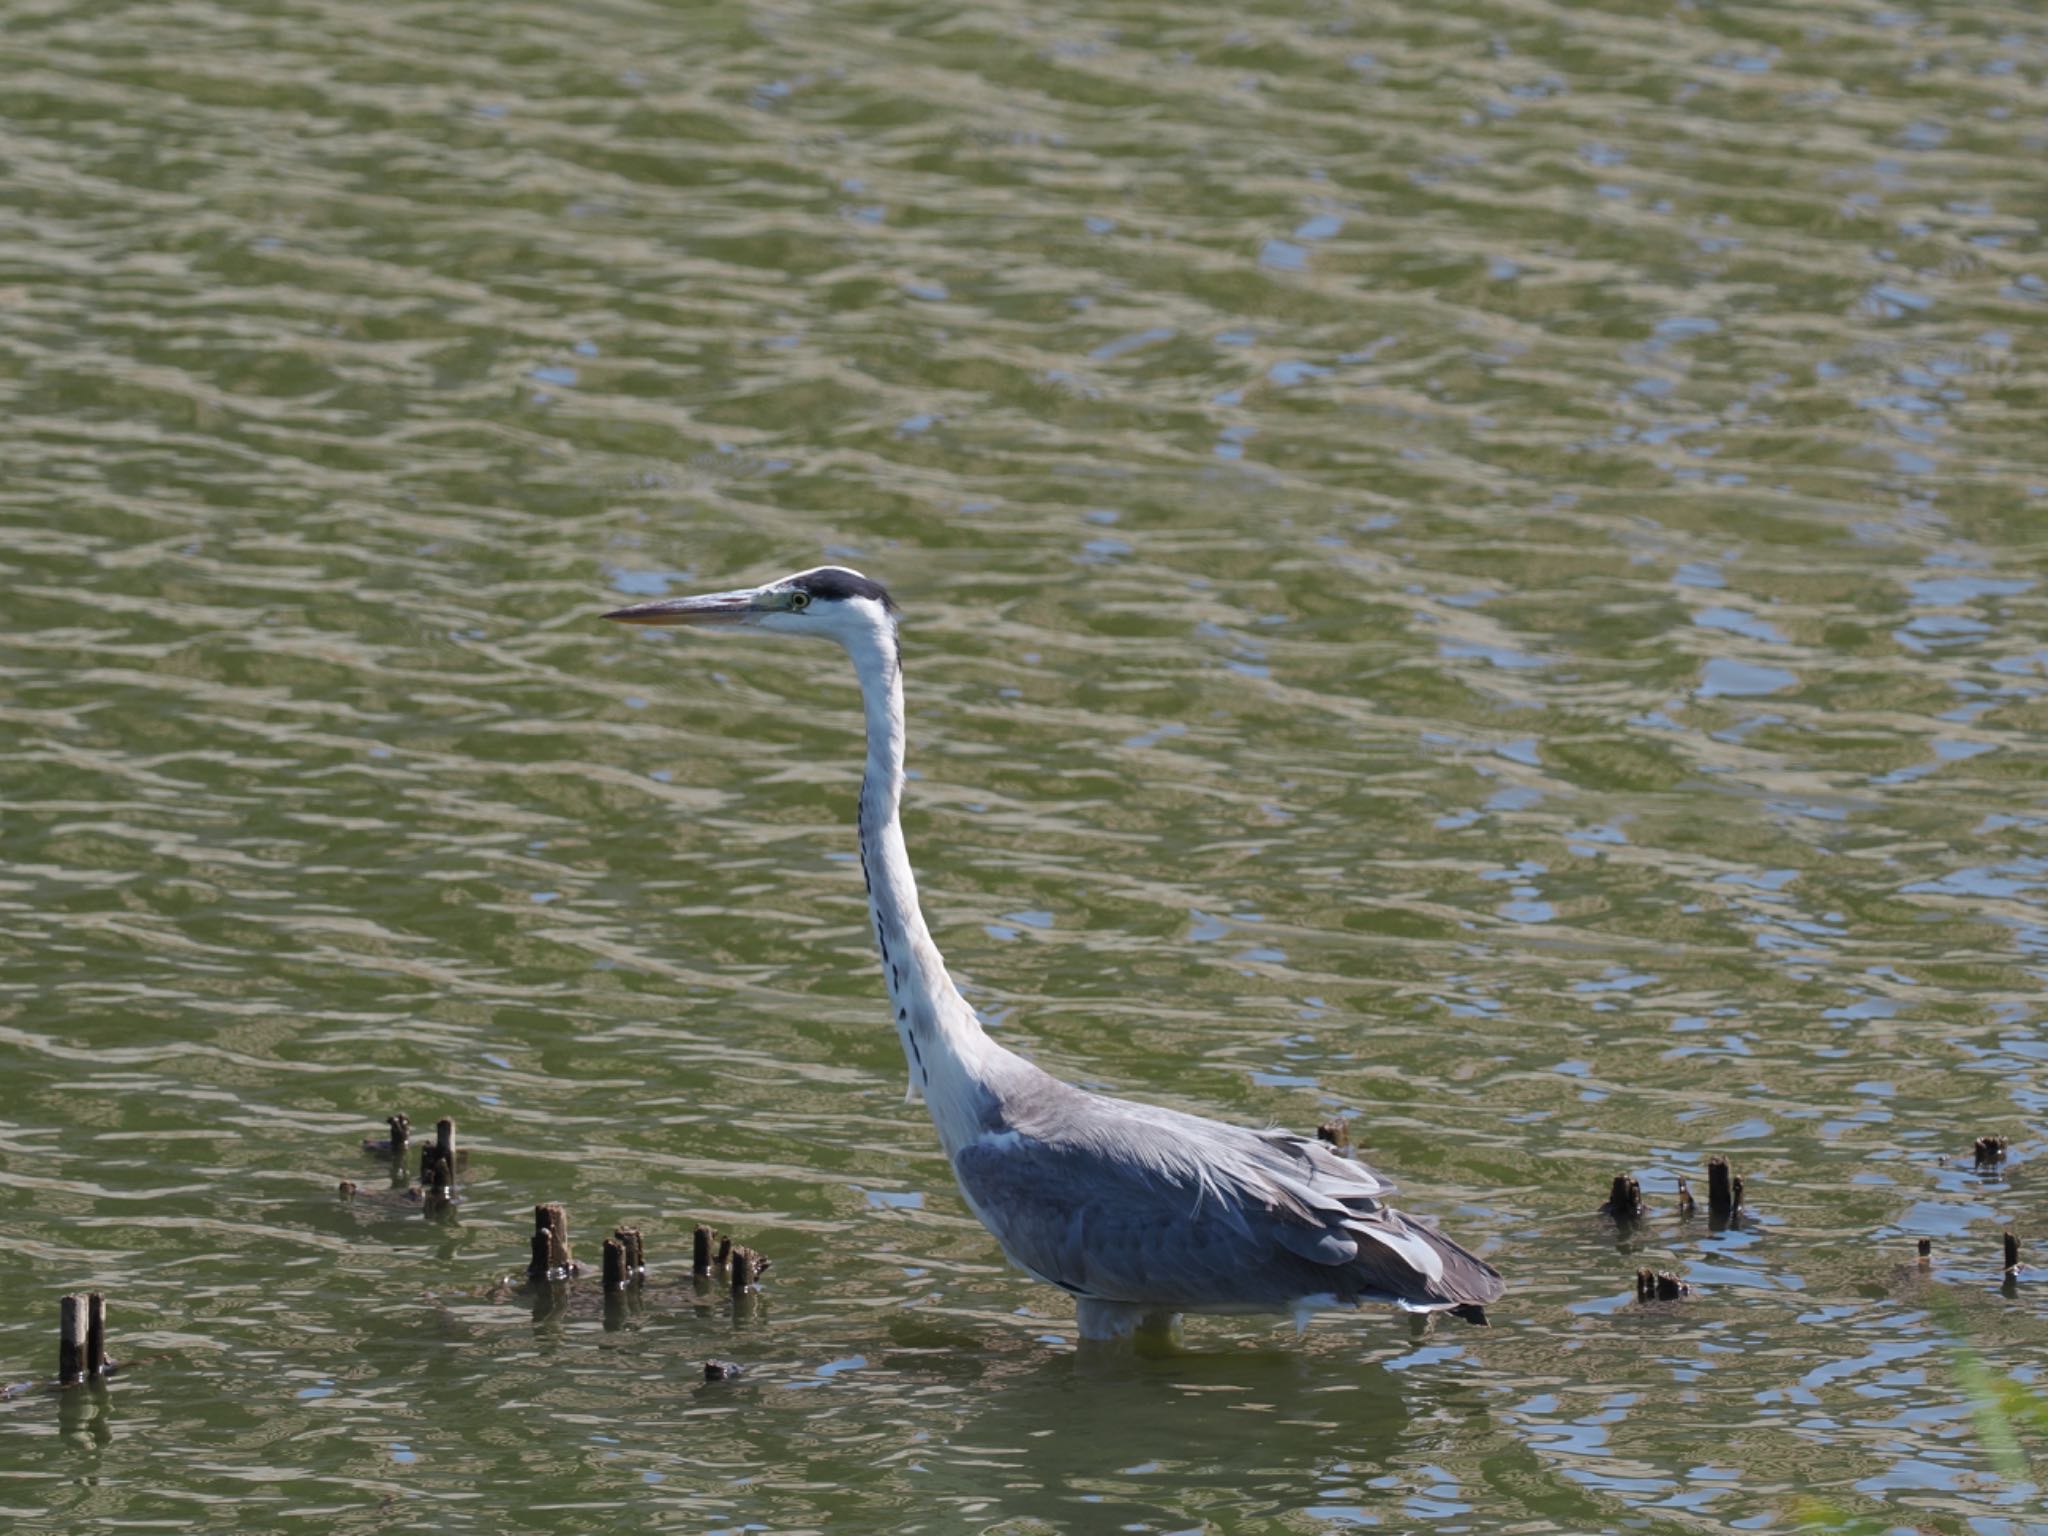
(1475, 567)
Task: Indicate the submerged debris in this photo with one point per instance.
(723, 1370)
(1989, 1151)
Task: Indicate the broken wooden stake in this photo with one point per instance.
(634, 1251)
(1625, 1200)
(1687, 1206)
(437, 1168)
(1990, 1151)
(1926, 1249)
(551, 1259)
(393, 1146)
(700, 1252)
(1336, 1134)
(614, 1264)
(70, 1341)
(746, 1271)
(1652, 1286)
(2012, 1257)
(346, 1189)
(724, 1251)
(722, 1370)
(1724, 1191)
(95, 1335)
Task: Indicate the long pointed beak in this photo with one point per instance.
(715, 608)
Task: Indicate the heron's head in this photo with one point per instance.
(829, 601)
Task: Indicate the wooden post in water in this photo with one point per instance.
(1989, 1151)
(1724, 1191)
(634, 1251)
(1687, 1206)
(724, 1252)
(95, 1335)
(2012, 1257)
(437, 1168)
(1926, 1247)
(551, 1259)
(1336, 1134)
(700, 1252)
(614, 1265)
(722, 1370)
(71, 1335)
(745, 1271)
(1624, 1200)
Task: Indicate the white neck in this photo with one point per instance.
(948, 1054)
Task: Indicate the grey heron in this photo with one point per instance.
(1140, 1213)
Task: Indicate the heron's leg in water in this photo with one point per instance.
(1150, 1329)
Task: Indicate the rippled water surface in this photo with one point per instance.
(1476, 566)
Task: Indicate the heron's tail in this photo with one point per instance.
(1466, 1282)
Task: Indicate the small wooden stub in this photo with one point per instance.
(723, 1370)
(724, 1251)
(746, 1271)
(700, 1252)
(1926, 1250)
(1687, 1206)
(551, 1259)
(1724, 1191)
(1336, 1133)
(71, 1335)
(346, 1189)
(437, 1168)
(393, 1145)
(634, 1250)
(95, 1335)
(2012, 1257)
(1652, 1286)
(614, 1264)
(1989, 1151)
(1625, 1200)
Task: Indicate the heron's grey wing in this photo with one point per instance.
(1125, 1202)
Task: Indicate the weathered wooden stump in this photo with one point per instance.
(746, 1272)
(437, 1169)
(551, 1258)
(70, 1341)
(1724, 1192)
(724, 1252)
(723, 1370)
(2012, 1257)
(1687, 1206)
(1926, 1251)
(1653, 1286)
(346, 1189)
(1989, 1151)
(1336, 1133)
(700, 1252)
(1625, 1200)
(392, 1145)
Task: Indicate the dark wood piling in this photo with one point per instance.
(1989, 1151)
(614, 1265)
(551, 1259)
(1652, 1286)
(1724, 1191)
(71, 1337)
(1337, 1134)
(1625, 1200)
(1926, 1251)
(633, 1250)
(746, 1272)
(96, 1335)
(346, 1189)
(2012, 1257)
(437, 1168)
(723, 1370)
(700, 1253)
(393, 1145)
(724, 1252)
(1687, 1206)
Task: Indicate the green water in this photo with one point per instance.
(1473, 566)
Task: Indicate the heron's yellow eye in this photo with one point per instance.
(799, 600)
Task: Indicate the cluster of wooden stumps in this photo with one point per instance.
(1626, 1206)
(434, 1190)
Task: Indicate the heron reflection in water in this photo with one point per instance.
(1139, 1213)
